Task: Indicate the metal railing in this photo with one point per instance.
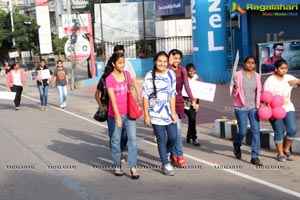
(154, 45)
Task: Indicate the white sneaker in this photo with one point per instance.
(168, 169)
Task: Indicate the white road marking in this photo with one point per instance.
(245, 176)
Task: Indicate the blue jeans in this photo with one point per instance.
(62, 94)
(166, 138)
(124, 140)
(43, 90)
(115, 134)
(288, 123)
(178, 149)
(242, 116)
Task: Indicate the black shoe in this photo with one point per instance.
(256, 161)
(188, 140)
(237, 151)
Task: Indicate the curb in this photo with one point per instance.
(227, 129)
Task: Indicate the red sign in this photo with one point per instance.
(41, 2)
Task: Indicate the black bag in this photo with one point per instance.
(104, 95)
(100, 116)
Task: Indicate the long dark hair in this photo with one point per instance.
(161, 53)
(109, 66)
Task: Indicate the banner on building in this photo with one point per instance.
(43, 20)
(170, 7)
(269, 53)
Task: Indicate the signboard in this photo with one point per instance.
(7, 95)
(269, 53)
(170, 7)
(40, 74)
(210, 40)
(14, 54)
(82, 21)
(79, 51)
(258, 4)
(43, 20)
(201, 90)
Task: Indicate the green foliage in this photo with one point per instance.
(21, 32)
(59, 45)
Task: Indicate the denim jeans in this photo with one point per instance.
(166, 138)
(288, 123)
(242, 116)
(178, 149)
(62, 94)
(115, 134)
(43, 90)
(124, 140)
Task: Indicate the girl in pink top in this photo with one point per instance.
(246, 101)
(15, 82)
(118, 118)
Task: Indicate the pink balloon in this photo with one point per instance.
(266, 96)
(264, 113)
(278, 112)
(277, 101)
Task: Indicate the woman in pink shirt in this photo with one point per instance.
(15, 82)
(118, 118)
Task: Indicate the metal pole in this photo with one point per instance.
(144, 26)
(12, 21)
(102, 37)
(73, 63)
(29, 41)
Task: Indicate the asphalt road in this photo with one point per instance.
(64, 154)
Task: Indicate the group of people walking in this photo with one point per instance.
(15, 81)
(246, 100)
(164, 107)
(163, 104)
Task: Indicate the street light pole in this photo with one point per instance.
(144, 26)
(29, 39)
(102, 37)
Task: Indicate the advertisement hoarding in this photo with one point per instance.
(268, 53)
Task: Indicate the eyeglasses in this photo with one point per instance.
(279, 49)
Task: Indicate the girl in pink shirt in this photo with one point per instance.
(15, 82)
(118, 118)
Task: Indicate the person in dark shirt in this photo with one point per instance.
(268, 64)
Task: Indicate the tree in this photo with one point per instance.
(5, 34)
(59, 45)
(21, 32)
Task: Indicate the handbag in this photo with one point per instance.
(100, 116)
(134, 109)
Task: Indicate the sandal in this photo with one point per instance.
(134, 174)
(281, 158)
(196, 142)
(181, 162)
(119, 172)
(288, 155)
(154, 138)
